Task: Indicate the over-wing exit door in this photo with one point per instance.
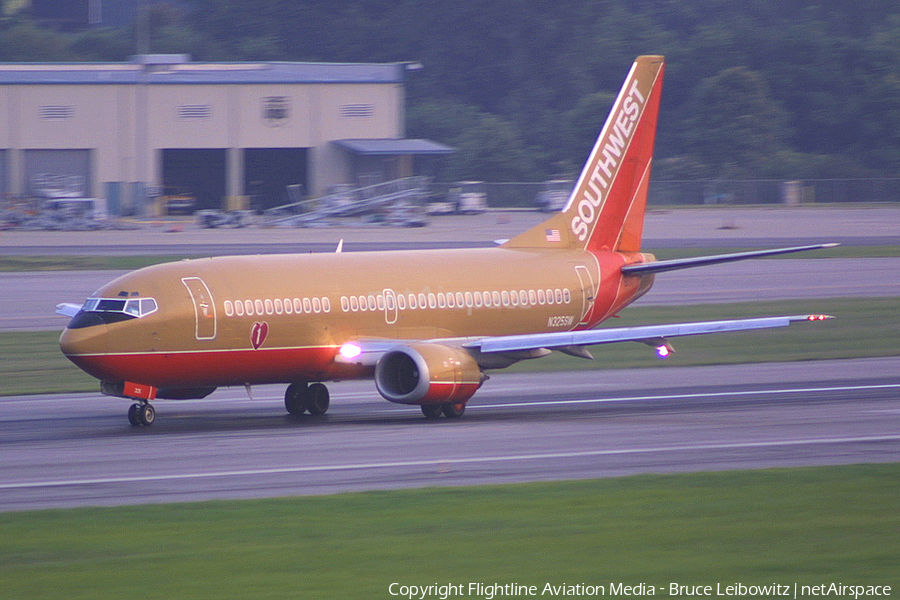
(204, 307)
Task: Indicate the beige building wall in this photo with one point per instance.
(63, 117)
(351, 112)
(127, 126)
(292, 102)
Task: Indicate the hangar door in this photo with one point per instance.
(199, 172)
(58, 173)
(268, 172)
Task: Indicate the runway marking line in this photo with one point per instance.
(443, 461)
(500, 390)
(695, 395)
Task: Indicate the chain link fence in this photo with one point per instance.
(728, 192)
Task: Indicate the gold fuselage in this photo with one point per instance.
(282, 318)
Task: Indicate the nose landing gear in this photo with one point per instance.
(141, 413)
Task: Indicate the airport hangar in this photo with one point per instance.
(224, 132)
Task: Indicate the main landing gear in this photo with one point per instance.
(451, 411)
(141, 413)
(301, 397)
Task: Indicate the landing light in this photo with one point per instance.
(662, 351)
(350, 350)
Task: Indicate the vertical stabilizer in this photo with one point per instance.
(606, 208)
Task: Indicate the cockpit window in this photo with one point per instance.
(96, 311)
(107, 305)
(148, 305)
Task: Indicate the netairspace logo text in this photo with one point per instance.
(491, 591)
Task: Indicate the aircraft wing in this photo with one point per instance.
(654, 335)
(67, 309)
(368, 352)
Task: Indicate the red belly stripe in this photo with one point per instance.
(217, 367)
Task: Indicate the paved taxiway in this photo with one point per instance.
(79, 450)
(705, 227)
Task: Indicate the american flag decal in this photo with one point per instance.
(552, 235)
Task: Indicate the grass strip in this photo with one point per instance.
(31, 363)
(80, 263)
(811, 526)
(864, 327)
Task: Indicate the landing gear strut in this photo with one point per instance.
(141, 413)
(301, 397)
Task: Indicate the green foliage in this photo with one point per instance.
(734, 126)
(753, 89)
(23, 41)
(101, 44)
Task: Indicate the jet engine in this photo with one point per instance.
(427, 374)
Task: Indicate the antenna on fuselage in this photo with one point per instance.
(340, 247)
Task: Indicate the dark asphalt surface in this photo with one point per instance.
(78, 450)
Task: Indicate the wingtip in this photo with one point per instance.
(67, 309)
(812, 318)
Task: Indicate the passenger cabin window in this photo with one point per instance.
(97, 311)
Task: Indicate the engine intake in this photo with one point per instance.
(427, 374)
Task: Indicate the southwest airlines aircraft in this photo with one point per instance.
(425, 324)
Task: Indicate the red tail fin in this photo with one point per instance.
(606, 209)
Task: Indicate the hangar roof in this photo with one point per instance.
(394, 146)
(142, 71)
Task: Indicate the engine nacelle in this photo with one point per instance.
(427, 374)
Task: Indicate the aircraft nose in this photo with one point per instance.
(83, 346)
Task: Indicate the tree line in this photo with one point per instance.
(754, 88)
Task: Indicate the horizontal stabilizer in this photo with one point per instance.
(702, 261)
(568, 339)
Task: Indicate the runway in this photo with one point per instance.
(78, 450)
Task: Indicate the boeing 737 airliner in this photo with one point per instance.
(426, 325)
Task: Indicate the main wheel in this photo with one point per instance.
(454, 411)
(146, 414)
(432, 411)
(295, 398)
(317, 399)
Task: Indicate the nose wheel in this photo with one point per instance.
(141, 413)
